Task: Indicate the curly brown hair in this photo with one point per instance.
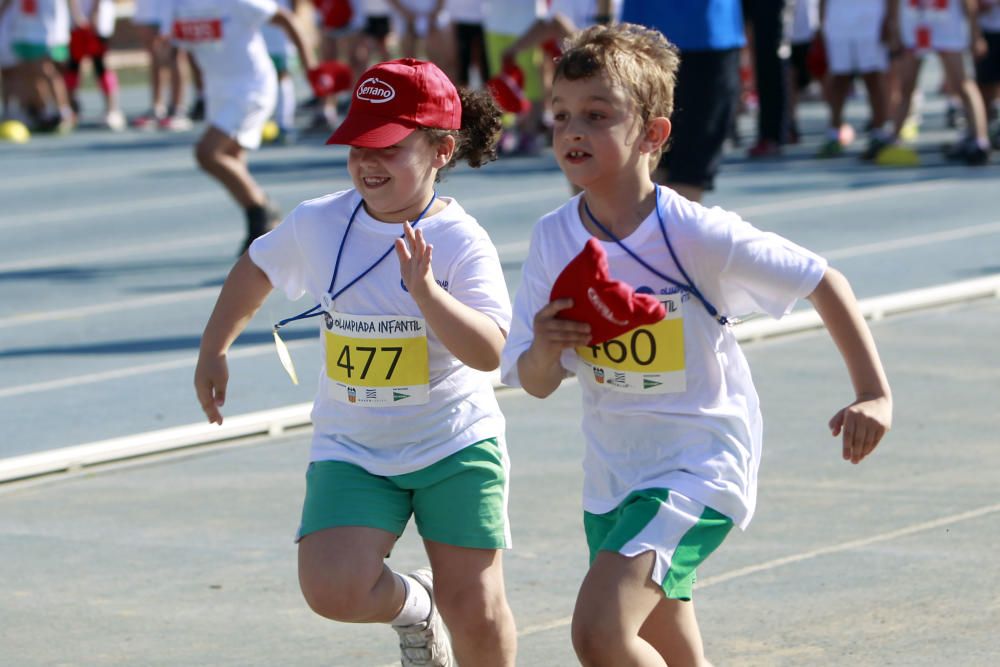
(638, 59)
(476, 142)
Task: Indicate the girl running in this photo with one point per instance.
(414, 311)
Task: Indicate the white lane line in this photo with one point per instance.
(117, 250)
(915, 241)
(110, 307)
(842, 197)
(131, 371)
(509, 252)
(322, 186)
(776, 563)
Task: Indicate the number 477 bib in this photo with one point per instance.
(646, 360)
(377, 360)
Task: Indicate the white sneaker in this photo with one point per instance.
(114, 121)
(176, 123)
(425, 644)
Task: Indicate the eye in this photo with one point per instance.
(560, 116)
(596, 115)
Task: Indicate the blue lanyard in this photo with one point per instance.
(689, 286)
(316, 310)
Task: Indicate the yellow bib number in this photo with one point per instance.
(645, 360)
(377, 360)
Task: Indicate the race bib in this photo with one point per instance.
(645, 360)
(198, 30)
(377, 360)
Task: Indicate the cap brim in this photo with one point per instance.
(369, 132)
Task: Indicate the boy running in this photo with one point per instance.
(670, 415)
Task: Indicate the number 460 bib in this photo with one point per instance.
(645, 360)
(377, 360)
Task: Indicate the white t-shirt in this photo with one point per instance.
(944, 27)
(277, 41)
(298, 257)
(853, 19)
(46, 23)
(105, 20)
(805, 21)
(582, 12)
(465, 11)
(989, 19)
(224, 35)
(146, 12)
(697, 428)
(511, 17)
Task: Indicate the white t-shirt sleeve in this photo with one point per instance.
(765, 272)
(531, 296)
(255, 12)
(479, 283)
(279, 255)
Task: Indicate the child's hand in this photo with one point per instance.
(553, 335)
(862, 423)
(210, 379)
(415, 262)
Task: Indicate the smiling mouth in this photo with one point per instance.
(375, 181)
(576, 155)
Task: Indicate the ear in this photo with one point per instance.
(443, 151)
(656, 133)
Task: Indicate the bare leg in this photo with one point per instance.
(615, 599)
(975, 112)
(909, 70)
(343, 575)
(875, 85)
(672, 630)
(469, 593)
(225, 160)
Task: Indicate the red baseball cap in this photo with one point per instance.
(394, 98)
(610, 307)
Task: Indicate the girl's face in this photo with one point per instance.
(597, 135)
(396, 182)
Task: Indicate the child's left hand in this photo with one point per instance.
(863, 423)
(415, 262)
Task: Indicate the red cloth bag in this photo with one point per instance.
(330, 77)
(610, 307)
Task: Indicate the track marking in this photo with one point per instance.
(776, 563)
(513, 251)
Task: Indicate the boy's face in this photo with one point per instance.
(396, 182)
(597, 132)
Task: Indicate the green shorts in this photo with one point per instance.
(460, 500)
(30, 52)
(282, 63)
(681, 531)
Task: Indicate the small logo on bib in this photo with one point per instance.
(375, 90)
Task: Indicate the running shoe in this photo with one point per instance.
(114, 121)
(175, 123)
(197, 110)
(897, 155)
(875, 146)
(830, 148)
(425, 644)
(149, 120)
(764, 148)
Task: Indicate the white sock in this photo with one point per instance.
(286, 103)
(416, 605)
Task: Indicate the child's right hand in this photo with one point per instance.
(210, 379)
(553, 335)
